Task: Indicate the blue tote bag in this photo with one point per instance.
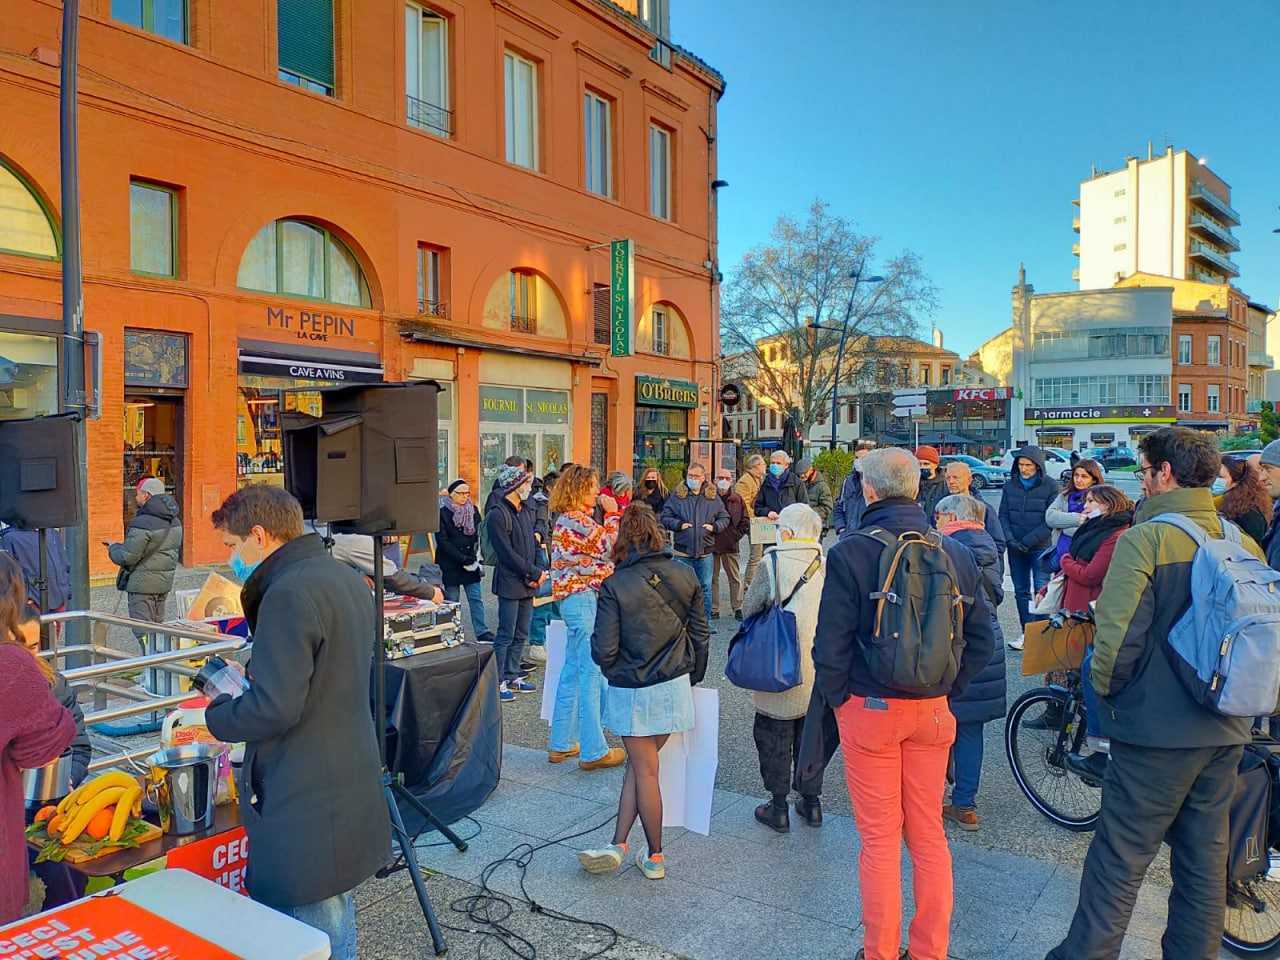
(764, 655)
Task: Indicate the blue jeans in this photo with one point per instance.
(514, 617)
(701, 566)
(1025, 569)
(967, 754)
(335, 917)
(475, 603)
(542, 616)
(577, 717)
(1092, 703)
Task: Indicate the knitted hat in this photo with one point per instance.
(928, 454)
(621, 483)
(458, 483)
(151, 486)
(511, 478)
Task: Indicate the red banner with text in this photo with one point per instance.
(223, 858)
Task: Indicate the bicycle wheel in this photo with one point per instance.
(1036, 758)
(1253, 918)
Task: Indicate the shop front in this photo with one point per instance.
(662, 426)
(969, 420)
(28, 368)
(156, 379)
(522, 422)
(1082, 428)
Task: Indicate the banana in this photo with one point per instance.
(85, 812)
(86, 791)
(124, 808)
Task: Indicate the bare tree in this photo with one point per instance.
(805, 274)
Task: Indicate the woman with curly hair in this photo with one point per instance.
(1246, 502)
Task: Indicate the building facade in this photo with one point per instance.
(286, 197)
(1168, 215)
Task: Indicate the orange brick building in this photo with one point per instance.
(305, 192)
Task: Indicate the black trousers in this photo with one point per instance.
(1152, 795)
(778, 744)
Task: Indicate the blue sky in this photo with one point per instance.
(962, 129)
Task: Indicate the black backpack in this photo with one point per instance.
(918, 636)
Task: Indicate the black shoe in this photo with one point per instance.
(774, 817)
(809, 809)
(528, 666)
(737, 614)
(1091, 769)
(1049, 719)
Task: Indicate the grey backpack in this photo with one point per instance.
(918, 636)
(1226, 647)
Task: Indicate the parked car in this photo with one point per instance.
(1112, 458)
(1053, 458)
(1219, 485)
(984, 475)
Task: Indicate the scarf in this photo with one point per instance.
(1075, 501)
(1091, 534)
(464, 517)
(1028, 482)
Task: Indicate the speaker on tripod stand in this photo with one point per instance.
(367, 466)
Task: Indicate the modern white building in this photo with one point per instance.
(1168, 215)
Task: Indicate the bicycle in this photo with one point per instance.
(1252, 923)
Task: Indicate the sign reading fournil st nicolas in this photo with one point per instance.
(622, 271)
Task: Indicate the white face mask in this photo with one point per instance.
(524, 492)
(723, 486)
(1092, 512)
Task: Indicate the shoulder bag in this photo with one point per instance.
(764, 655)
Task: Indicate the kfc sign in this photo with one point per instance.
(981, 393)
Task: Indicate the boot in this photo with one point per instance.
(809, 809)
(773, 814)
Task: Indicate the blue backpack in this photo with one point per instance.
(1226, 647)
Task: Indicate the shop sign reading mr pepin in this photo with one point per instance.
(314, 326)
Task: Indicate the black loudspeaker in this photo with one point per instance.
(368, 464)
(38, 463)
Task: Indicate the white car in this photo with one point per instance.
(1053, 457)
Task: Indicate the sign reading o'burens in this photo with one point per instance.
(664, 392)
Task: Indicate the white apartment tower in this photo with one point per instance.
(1169, 215)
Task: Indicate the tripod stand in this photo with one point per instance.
(392, 788)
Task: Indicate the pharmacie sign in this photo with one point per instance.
(664, 392)
(622, 272)
(1152, 413)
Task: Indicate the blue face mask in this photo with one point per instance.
(777, 469)
(239, 568)
(693, 484)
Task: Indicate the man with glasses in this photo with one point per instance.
(1269, 464)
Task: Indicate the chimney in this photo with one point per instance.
(1150, 154)
(937, 338)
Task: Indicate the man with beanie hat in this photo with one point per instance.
(516, 575)
(1269, 464)
(148, 557)
(933, 485)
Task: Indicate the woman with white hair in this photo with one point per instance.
(780, 716)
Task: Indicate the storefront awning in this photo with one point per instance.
(452, 340)
(309, 369)
(1204, 424)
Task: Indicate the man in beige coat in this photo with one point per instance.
(748, 488)
(780, 716)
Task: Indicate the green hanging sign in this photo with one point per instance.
(622, 264)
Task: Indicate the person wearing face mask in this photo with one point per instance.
(748, 488)
(724, 551)
(1023, 503)
(933, 485)
(458, 553)
(517, 575)
(694, 513)
(816, 490)
(781, 488)
(311, 753)
(652, 490)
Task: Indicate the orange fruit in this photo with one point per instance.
(100, 825)
(55, 825)
(46, 813)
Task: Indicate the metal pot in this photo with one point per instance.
(50, 782)
(184, 782)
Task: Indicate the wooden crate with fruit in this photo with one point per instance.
(100, 817)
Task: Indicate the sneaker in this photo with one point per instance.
(1017, 644)
(522, 686)
(486, 638)
(527, 667)
(615, 757)
(603, 860)
(652, 867)
(560, 756)
(1091, 769)
(965, 817)
(737, 614)
(505, 694)
(538, 654)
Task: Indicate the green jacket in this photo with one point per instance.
(1146, 591)
(152, 546)
(819, 492)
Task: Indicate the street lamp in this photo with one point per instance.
(843, 330)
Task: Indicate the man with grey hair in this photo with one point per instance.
(748, 488)
(897, 738)
(781, 487)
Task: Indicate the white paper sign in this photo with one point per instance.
(687, 766)
(557, 643)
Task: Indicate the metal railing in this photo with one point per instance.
(433, 308)
(1219, 260)
(524, 324)
(1200, 192)
(1220, 233)
(428, 116)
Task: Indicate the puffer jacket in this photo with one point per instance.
(152, 546)
(932, 490)
(1146, 591)
(847, 516)
(779, 492)
(792, 558)
(704, 507)
(984, 699)
(1022, 509)
(818, 492)
(645, 635)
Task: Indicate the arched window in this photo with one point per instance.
(25, 227)
(300, 259)
(663, 330)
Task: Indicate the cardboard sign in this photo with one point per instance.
(1048, 647)
(104, 927)
(222, 858)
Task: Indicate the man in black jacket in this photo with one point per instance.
(694, 513)
(310, 797)
(1023, 502)
(517, 575)
(847, 516)
(933, 486)
(895, 742)
(148, 558)
(725, 547)
(781, 487)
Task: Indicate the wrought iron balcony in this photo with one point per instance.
(433, 308)
(1215, 203)
(1214, 230)
(524, 324)
(1219, 260)
(429, 116)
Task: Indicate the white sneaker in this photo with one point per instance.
(602, 860)
(537, 654)
(1017, 644)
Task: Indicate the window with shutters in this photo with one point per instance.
(305, 44)
(599, 432)
(521, 88)
(661, 333)
(1214, 403)
(524, 301)
(433, 281)
(660, 171)
(426, 70)
(600, 314)
(164, 18)
(597, 136)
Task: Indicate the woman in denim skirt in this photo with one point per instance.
(650, 640)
